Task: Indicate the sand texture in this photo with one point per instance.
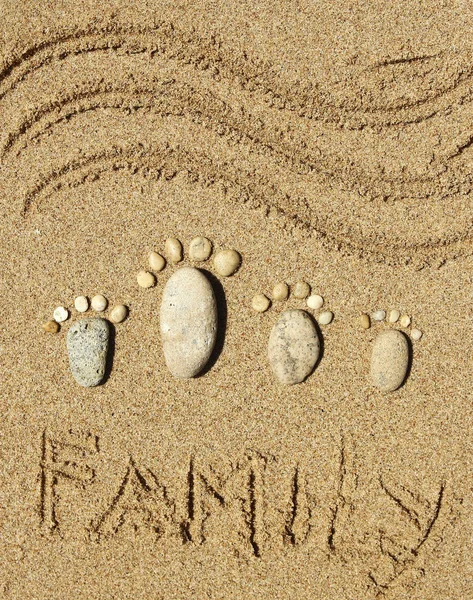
(326, 142)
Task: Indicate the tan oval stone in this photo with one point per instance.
(389, 360)
(146, 279)
(173, 250)
(156, 261)
(51, 327)
(294, 347)
(281, 291)
(119, 313)
(365, 321)
(226, 262)
(200, 249)
(301, 290)
(260, 303)
(188, 321)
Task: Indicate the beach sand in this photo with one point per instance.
(325, 142)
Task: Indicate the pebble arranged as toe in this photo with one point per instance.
(389, 360)
(188, 321)
(200, 249)
(227, 262)
(294, 347)
(87, 346)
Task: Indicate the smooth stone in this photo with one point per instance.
(156, 261)
(119, 313)
(365, 321)
(379, 315)
(315, 301)
(188, 321)
(294, 347)
(173, 250)
(326, 317)
(227, 262)
(99, 303)
(394, 316)
(281, 291)
(416, 334)
(200, 249)
(60, 314)
(405, 321)
(87, 346)
(260, 303)
(389, 360)
(301, 290)
(146, 279)
(81, 304)
(51, 327)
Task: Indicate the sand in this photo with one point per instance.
(326, 142)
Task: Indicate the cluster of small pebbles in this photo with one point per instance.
(391, 317)
(226, 262)
(302, 291)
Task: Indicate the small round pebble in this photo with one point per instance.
(315, 301)
(156, 261)
(416, 334)
(260, 303)
(99, 303)
(119, 313)
(60, 314)
(146, 279)
(51, 327)
(301, 290)
(200, 249)
(226, 262)
(394, 316)
(81, 304)
(405, 321)
(379, 315)
(173, 250)
(281, 291)
(325, 317)
(365, 321)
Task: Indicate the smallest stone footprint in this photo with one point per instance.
(294, 344)
(88, 339)
(391, 353)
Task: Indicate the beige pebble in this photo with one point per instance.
(416, 334)
(301, 290)
(200, 249)
(60, 314)
(315, 301)
(260, 303)
(394, 316)
(119, 313)
(379, 315)
(99, 303)
(81, 304)
(405, 321)
(156, 261)
(389, 360)
(365, 321)
(173, 250)
(146, 279)
(226, 262)
(51, 327)
(281, 291)
(325, 317)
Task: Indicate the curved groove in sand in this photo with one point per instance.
(254, 75)
(245, 187)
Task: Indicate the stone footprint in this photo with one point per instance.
(189, 311)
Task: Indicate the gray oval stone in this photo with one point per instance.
(294, 347)
(389, 360)
(87, 346)
(188, 321)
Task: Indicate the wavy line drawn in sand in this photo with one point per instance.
(309, 100)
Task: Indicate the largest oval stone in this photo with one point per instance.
(188, 321)
(294, 347)
(389, 360)
(87, 346)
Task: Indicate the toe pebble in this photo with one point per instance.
(51, 327)
(365, 321)
(200, 249)
(81, 304)
(260, 303)
(416, 334)
(389, 360)
(301, 290)
(281, 291)
(173, 250)
(119, 313)
(326, 317)
(156, 261)
(379, 315)
(394, 316)
(99, 303)
(60, 314)
(315, 301)
(405, 321)
(87, 346)
(227, 262)
(294, 347)
(146, 279)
